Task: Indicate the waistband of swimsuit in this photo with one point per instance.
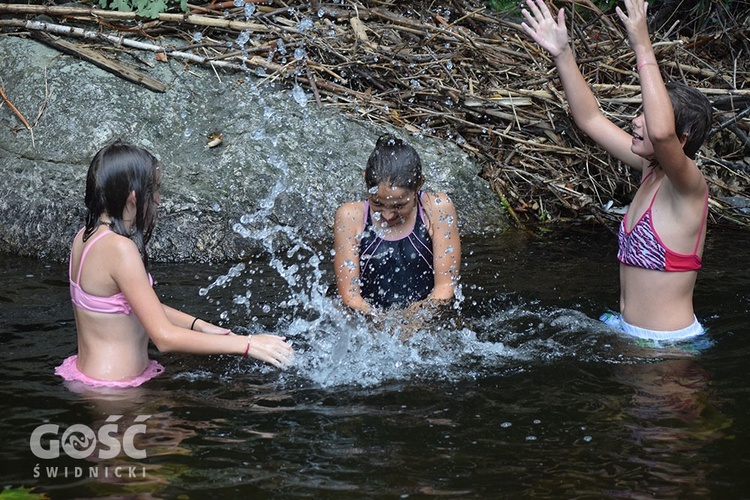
(685, 333)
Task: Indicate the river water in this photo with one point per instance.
(522, 394)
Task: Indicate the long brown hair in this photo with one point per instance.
(115, 171)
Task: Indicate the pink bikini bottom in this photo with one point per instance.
(69, 371)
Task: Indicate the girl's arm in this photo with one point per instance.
(346, 228)
(446, 244)
(132, 279)
(682, 171)
(185, 320)
(552, 36)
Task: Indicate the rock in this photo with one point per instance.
(281, 161)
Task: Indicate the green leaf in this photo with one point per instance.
(22, 494)
(152, 9)
(121, 5)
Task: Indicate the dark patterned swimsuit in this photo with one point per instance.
(396, 271)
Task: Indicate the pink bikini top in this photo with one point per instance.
(642, 246)
(114, 304)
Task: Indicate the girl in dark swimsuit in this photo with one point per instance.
(401, 246)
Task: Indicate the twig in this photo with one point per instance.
(17, 113)
(470, 77)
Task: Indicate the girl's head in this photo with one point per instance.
(393, 176)
(692, 116)
(395, 163)
(123, 183)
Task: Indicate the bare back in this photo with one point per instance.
(111, 346)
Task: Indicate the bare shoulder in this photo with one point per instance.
(122, 252)
(435, 202)
(687, 180)
(688, 189)
(353, 210)
(349, 219)
(112, 261)
(439, 211)
(120, 244)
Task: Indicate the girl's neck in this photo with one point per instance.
(106, 220)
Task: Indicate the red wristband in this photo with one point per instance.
(247, 349)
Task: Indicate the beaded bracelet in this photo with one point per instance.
(247, 349)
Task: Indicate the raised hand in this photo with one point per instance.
(635, 21)
(550, 34)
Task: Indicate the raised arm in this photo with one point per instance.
(446, 244)
(552, 35)
(346, 228)
(657, 107)
(176, 336)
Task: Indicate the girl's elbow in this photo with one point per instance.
(163, 347)
(165, 343)
(661, 135)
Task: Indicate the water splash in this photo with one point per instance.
(299, 95)
(338, 348)
(249, 10)
(305, 24)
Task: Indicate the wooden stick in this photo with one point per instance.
(198, 20)
(221, 5)
(93, 35)
(100, 61)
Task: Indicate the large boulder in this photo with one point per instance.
(282, 161)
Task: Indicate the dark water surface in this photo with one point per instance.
(529, 397)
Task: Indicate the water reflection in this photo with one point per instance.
(135, 446)
(671, 417)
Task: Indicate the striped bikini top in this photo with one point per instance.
(642, 247)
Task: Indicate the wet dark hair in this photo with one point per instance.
(692, 115)
(395, 162)
(115, 171)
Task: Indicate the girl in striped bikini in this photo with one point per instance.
(661, 237)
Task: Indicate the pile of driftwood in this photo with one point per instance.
(454, 70)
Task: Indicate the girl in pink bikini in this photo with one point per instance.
(661, 237)
(116, 309)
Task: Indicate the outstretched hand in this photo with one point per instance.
(272, 349)
(635, 21)
(549, 33)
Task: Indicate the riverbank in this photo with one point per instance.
(463, 79)
(281, 160)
